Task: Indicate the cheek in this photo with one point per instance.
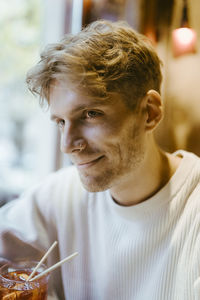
(107, 139)
(100, 133)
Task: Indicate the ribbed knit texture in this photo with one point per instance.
(150, 251)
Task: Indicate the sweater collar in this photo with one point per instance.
(156, 204)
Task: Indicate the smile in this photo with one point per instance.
(90, 163)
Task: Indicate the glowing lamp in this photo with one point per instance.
(184, 41)
(184, 38)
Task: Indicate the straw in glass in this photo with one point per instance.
(58, 264)
(42, 260)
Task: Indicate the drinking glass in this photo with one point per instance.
(14, 284)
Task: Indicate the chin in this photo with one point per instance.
(92, 184)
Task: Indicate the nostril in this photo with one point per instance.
(70, 143)
(79, 145)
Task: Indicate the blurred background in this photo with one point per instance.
(29, 142)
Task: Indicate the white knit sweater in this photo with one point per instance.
(150, 251)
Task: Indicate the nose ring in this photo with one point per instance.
(81, 146)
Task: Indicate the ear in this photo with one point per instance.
(153, 109)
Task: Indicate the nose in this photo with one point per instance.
(71, 140)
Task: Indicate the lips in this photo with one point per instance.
(89, 163)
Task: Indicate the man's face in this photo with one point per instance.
(111, 137)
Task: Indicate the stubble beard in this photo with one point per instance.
(129, 156)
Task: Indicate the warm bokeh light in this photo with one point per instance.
(184, 35)
(184, 41)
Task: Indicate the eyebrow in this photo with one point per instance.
(82, 107)
(53, 117)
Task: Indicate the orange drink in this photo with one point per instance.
(14, 284)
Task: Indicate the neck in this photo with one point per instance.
(153, 173)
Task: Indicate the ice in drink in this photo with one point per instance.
(13, 284)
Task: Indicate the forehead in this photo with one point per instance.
(62, 99)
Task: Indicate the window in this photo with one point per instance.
(27, 138)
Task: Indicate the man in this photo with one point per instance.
(130, 209)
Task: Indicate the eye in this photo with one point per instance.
(92, 114)
(60, 123)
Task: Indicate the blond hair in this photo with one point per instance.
(104, 58)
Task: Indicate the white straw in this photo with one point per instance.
(54, 266)
(42, 259)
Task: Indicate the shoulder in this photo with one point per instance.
(61, 184)
(188, 156)
(64, 178)
(59, 181)
(192, 183)
(184, 187)
(54, 192)
(190, 165)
